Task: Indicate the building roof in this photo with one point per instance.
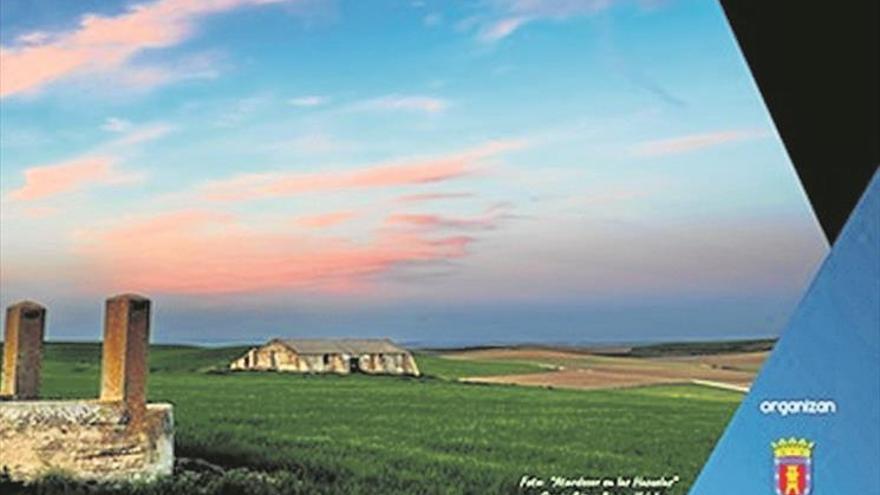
(342, 346)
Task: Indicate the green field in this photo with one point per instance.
(452, 369)
(272, 433)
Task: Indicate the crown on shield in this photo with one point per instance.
(793, 447)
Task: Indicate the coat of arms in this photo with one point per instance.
(792, 463)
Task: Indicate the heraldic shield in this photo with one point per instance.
(792, 464)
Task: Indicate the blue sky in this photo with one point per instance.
(487, 171)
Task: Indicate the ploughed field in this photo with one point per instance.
(269, 433)
(565, 368)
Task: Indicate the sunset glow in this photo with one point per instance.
(485, 171)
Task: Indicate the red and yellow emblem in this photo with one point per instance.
(793, 461)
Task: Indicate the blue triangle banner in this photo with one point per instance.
(811, 422)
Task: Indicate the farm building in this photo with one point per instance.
(371, 356)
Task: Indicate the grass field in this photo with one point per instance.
(437, 366)
(275, 434)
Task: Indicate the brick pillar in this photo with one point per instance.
(23, 350)
(124, 363)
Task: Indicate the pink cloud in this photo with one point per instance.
(269, 185)
(441, 222)
(489, 219)
(37, 212)
(103, 43)
(693, 142)
(418, 198)
(199, 252)
(51, 180)
(325, 220)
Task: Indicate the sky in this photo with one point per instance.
(441, 173)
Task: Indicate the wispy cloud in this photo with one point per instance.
(418, 103)
(442, 222)
(188, 68)
(502, 28)
(115, 124)
(142, 134)
(424, 171)
(308, 101)
(104, 44)
(238, 111)
(59, 178)
(693, 142)
(489, 219)
(98, 167)
(508, 16)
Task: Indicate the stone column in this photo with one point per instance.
(23, 350)
(124, 363)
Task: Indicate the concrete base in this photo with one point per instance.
(84, 439)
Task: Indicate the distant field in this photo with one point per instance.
(578, 369)
(703, 348)
(284, 434)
